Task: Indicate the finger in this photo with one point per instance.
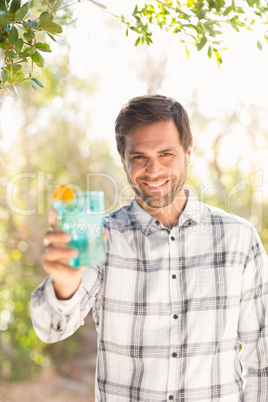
(59, 253)
(56, 237)
(52, 217)
(106, 234)
(57, 269)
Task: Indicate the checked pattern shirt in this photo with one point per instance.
(172, 308)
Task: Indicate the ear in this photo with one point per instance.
(190, 154)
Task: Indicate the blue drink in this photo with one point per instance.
(83, 218)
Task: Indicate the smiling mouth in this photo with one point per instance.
(156, 185)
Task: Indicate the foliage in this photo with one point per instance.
(23, 37)
(200, 23)
(19, 38)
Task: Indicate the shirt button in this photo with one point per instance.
(172, 238)
(157, 223)
(174, 354)
(173, 276)
(175, 316)
(171, 397)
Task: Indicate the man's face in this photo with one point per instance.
(156, 163)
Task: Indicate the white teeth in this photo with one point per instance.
(156, 185)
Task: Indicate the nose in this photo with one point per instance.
(153, 167)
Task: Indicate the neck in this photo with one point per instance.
(169, 214)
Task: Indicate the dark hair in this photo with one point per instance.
(149, 109)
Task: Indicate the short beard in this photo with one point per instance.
(162, 201)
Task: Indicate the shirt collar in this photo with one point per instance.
(193, 213)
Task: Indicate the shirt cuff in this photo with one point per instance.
(62, 306)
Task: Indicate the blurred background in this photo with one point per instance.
(64, 133)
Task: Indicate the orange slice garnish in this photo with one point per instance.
(63, 192)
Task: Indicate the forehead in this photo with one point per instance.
(156, 136)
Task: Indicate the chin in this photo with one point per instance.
(157, 203)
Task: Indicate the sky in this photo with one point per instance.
(241, 80)
(99, 47)
(104, 49)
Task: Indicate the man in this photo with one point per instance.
(183, 286)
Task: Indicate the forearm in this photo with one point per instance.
(53, 319)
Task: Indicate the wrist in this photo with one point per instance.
(64, 292)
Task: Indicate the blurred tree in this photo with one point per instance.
(53, 147)
(231, 148)
(152, 71)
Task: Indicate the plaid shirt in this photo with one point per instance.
(171, 308)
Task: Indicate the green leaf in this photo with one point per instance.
(10, 54)
(38, 82)
(28, 37)
(19, 77)
(15, 5)
(24, 53)
(218, 56)
(44, 47)
(251, 2)
(18, 45)
(190, 3)
(38, 59)
(45, 16)
(31, 33)
(228, 10)
(16, 67)
(33, 85)
(51, 37)
(187, 52)
(137, 41)
(5, 75)
(35, 57)
(21, 12)
(201, 43)
(209, 52)
(259, 44)
(5, 19)
(50, 26)
(233, 24)
(31, 50)
(13, 35)
(4, 46)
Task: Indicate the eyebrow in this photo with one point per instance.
(144, 153)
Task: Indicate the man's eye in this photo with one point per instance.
(138, 157)
(166, 154)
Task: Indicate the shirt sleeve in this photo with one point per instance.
(253, 323)
(54, 319)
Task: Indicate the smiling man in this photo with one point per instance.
(185, 284)
(156, 166)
